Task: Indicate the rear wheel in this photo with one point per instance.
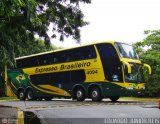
(30, 95)
(80, 94)
(21, 95)
(114, 98)
(95, 94)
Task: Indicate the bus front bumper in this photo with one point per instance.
(134, 92)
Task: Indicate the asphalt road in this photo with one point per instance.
(87, 112)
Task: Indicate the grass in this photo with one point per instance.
(141, 98)
(8, 98)
(122, 98)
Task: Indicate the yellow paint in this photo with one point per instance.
(55, 90)
(149, 68)
(8, 91)
(20, 77)
(76, 65)
(131, 60)
(120, 84)
(133, 85)
(128, 66)
(95, 73)
(13, 85)
(140, 86)
(6, 76)
(20, 117)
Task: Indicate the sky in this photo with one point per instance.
(119, 20)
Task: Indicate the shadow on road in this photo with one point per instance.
(31, 118)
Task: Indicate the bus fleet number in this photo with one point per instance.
(92, 72)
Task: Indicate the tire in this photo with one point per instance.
(114, 98)
(96, 94)
(80, 94)
(30, 95)
(21, 95)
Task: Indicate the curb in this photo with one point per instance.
(19, 116)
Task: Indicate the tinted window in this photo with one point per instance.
(59, 77)
(87, 52)
(110, 61)
(78, 76)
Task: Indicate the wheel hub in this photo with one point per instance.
(79, 93)
(29, 95)
(21, 95)
(94, 93)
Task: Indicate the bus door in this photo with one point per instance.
(111, 65)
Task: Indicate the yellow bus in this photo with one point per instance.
(100, 70)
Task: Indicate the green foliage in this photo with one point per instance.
(20, 20)
(32, 47)
(152, 57)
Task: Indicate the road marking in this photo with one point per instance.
(20, 117)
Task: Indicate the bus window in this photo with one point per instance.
(111, 63)
(88, 52)
(77, 76)
(77, 54)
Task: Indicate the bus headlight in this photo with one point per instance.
(129, 88)
(143, 88)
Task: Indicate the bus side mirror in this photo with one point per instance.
(149, 68)
(128, 66)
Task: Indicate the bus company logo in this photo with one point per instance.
(4, 120)
(75, 65)
(47, 69)
(63, 67)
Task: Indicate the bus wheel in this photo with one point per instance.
(21, 95)
(80, 94)
(30, 95)
(114, 98)
(95, 94)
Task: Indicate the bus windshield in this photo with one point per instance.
(136, 74)
(126, 51)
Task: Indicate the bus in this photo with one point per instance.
(100, 70)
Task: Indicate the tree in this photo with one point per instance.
(152, 57)
(33, 47)
(20, 20)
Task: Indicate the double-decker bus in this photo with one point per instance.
(99, 70)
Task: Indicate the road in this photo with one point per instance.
(87, 112)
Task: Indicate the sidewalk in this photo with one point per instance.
(11, 115)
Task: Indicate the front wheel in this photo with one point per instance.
(80, 94)
(30, 95)
(21, 95)
(95, 94)
(114, 98)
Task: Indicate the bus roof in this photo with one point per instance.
(43, 53)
